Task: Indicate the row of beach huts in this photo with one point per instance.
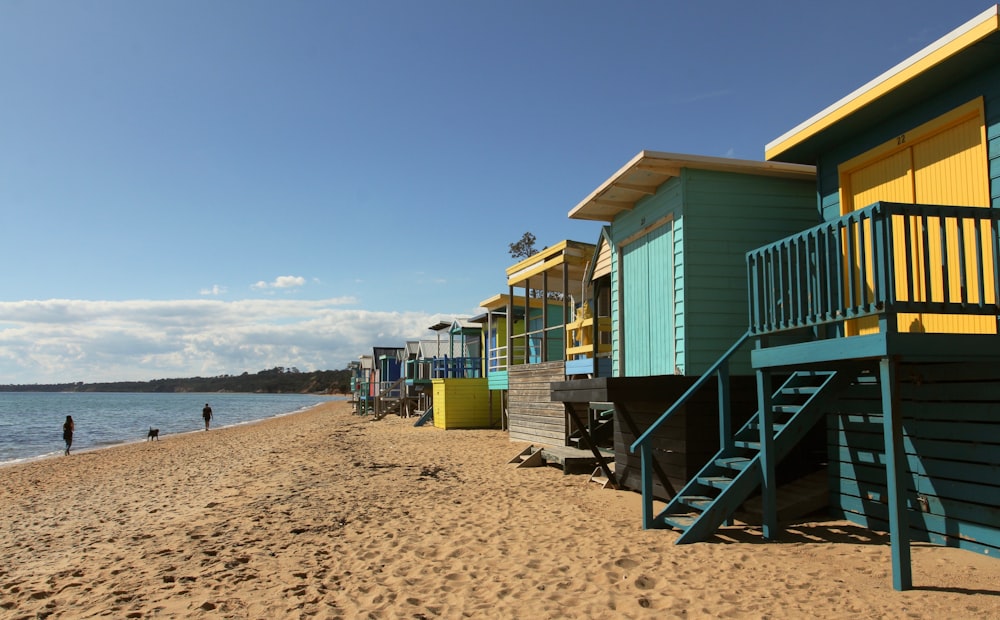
(760, 339)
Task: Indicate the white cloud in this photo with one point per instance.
(215, 290)
(60, 340)
(280, 282)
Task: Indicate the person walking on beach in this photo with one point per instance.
(207, 414)
(68, 428)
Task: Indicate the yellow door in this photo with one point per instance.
(944, 163)
(889, 179)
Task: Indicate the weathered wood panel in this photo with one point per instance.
(532, 415)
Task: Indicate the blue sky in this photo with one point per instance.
(200, 188)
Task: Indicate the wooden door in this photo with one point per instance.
(648, 304)
(942, 162)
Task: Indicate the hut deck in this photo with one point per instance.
(572, 460)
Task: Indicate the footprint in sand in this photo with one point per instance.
(644, 582)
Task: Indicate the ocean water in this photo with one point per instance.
(31, 422)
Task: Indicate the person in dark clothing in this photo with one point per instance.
(68, 428)
(207, 414)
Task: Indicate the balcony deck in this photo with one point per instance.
(910, 347)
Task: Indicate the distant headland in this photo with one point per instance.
(278, 380)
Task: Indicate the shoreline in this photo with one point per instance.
(58, 452)
(324, 514)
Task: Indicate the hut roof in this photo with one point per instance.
(648, 170)
(574, 256)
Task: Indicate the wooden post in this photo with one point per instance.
(768, 485)
(567, 309)
(725, 409)
(725, 414)
(545, 318)
(510, 329)
(895, 473)
(646, 458)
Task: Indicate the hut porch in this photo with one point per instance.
(907, 402)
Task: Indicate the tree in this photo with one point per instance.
(524, 247)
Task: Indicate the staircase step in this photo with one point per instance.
(698, 502)
(680, 522)
(801, 390)
(787, 409)
(754, 428)
(716, 482)
(747, 445)
(738, 463)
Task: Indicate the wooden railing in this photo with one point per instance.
(496, 357)
(886, 259)
(584, 339)
(456, 367)
(720, 370)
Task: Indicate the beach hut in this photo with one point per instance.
(668, 278)
(896, 293)
(461, 396)
(356, 380)
(496, 326)
(417, 375)
(363, 384)
(544, 289)
(386, 385)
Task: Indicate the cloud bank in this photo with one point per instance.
(62, 341)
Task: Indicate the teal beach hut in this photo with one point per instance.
(879, 325)
(670, 269)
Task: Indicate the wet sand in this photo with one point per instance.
(327, 515)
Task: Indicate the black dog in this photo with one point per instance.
(154, 433)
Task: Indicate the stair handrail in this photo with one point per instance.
(714, 368)
(646, 454)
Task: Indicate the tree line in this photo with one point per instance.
(278, 380)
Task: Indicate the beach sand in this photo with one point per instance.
(328, 515)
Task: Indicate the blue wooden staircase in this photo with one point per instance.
(712, 496)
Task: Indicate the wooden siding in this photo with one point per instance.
(726, 215)
(602, 263)
(497, 379)
(951, 436)
(532, 416)
(463, 403)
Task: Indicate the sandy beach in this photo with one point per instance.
(327, 515)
